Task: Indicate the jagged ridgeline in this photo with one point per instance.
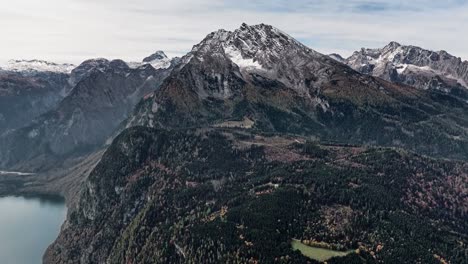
(258, 77)
(413, 66)
(218, 166)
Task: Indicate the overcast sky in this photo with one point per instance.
(74, 30)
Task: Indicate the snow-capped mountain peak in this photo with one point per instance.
(393, 45)
(250, 47)
(158, 60)
(86, 68)
(410, 65)
(158, 55)
(37, 66)
(258, 50)
(260, 43)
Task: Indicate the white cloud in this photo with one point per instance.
(73, 30)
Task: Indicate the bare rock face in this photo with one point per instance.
(412, 65)
(265, 50)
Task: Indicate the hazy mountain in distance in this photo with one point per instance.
(29, 88)
(103, 95)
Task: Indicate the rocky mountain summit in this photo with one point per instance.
(158, 60)
(261, 78)
(157, 57)
(86, 68)
(412, 66)
(226, 64)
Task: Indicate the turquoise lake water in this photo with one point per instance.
(27, 227)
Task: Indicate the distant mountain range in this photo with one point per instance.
(254, 141)
(158, 60)
(83, 110)
(411, 65)
(30, 66)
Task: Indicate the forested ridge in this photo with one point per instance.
(227, 196)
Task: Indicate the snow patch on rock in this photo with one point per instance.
(33, 133)
(236, 57)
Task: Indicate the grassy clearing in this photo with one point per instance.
(319, 254)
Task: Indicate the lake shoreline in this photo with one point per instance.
(28, 186)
